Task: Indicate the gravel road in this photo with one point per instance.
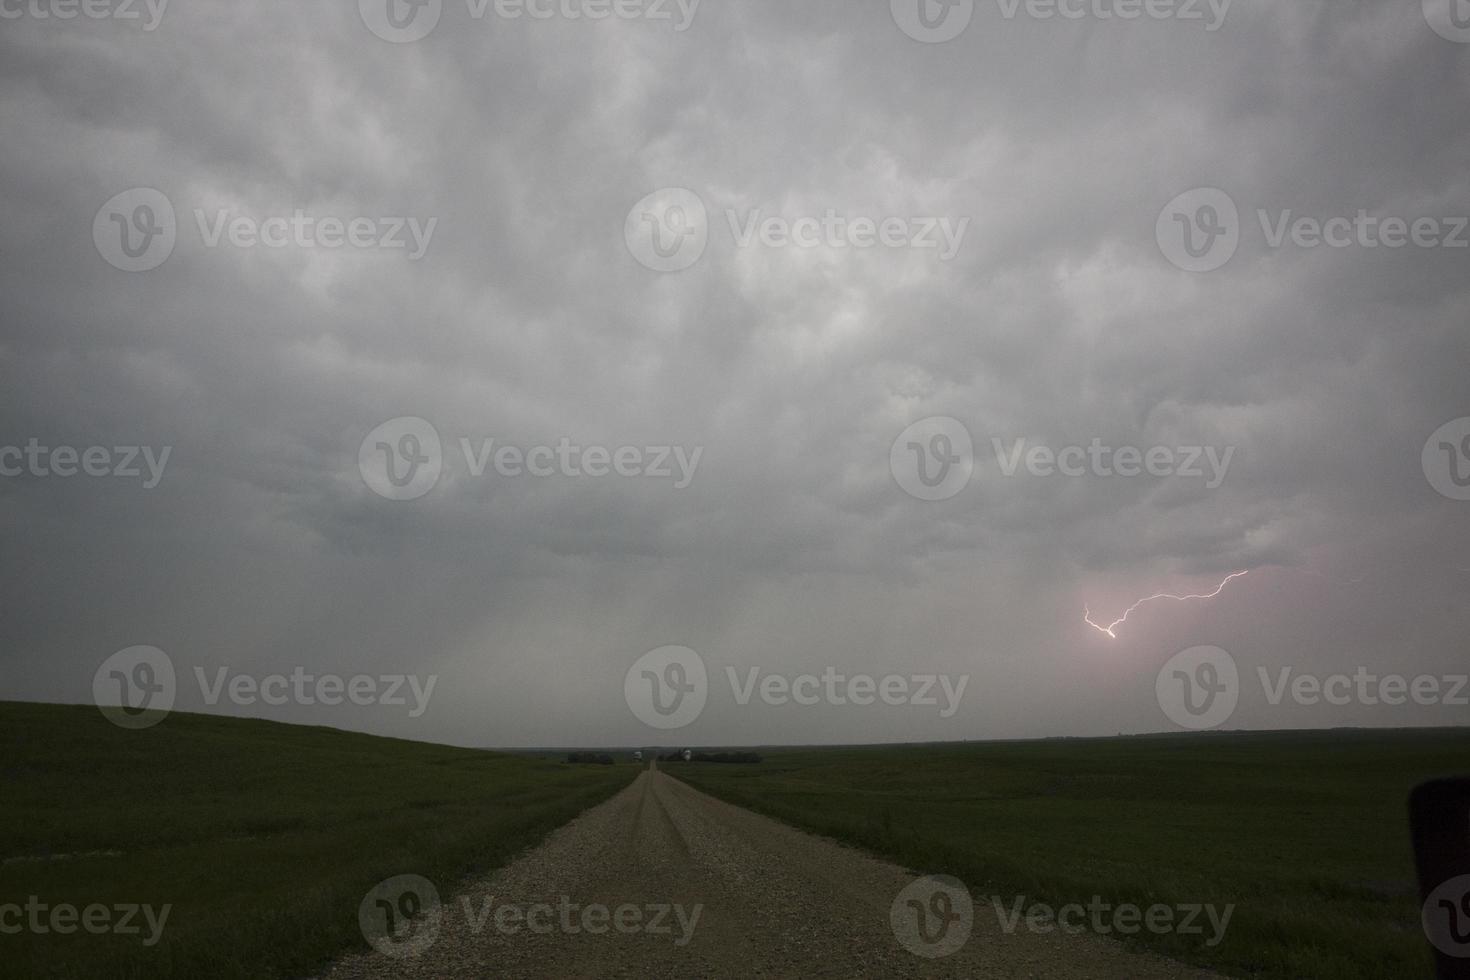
(741, 896)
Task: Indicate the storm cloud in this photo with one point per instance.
(295, 144)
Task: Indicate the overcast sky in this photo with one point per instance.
(1058, 312)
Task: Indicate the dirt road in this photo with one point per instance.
(741, 896)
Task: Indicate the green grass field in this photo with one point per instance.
(263, 837)
(1306, 833)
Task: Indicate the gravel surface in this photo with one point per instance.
(770, 901)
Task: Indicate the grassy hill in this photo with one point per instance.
(262, 837)
(1305, 833)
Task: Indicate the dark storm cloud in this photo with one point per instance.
(527, 321)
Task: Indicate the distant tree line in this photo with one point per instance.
(590, 758)
(732, 757)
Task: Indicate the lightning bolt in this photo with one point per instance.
(1112, 627)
